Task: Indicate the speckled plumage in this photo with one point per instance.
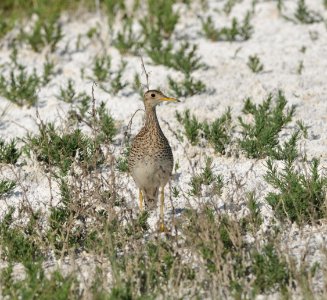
(151, 159)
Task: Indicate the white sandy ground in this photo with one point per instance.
(276, 41)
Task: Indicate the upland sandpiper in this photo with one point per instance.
(151, 159)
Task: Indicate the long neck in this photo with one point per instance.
(151, 120)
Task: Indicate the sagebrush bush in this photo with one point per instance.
(21, 88)
(46, 32)
(206, 178)
(255, 64)
(306, 16)
(237, 31)
(9, 153)
(191, 124)
(62, 149)
(260, 137)
(6, 186)
(160, 19)
(218, 133)
(300, 197)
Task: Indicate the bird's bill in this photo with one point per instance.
(169, 99)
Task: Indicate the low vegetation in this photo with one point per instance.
(21, 88)
(45, 33)
(260, 137)
(6, 186)
(255, 64)
(141, 268)
(109, 80)
(306, 16)
(160, 19)
(239, 31)
(207, 178)
(217, 133)
(9, 153)
(127, 41)
(61, 150)
(187, 87)
(300, 195)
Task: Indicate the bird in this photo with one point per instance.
(151, 159)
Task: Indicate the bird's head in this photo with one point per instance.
(153, 97)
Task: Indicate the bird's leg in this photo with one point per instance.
(141, 200)
(162, 202)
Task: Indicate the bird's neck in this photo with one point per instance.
(151, 120)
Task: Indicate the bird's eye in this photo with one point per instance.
(153, 95)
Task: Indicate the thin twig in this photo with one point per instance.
(146, 73)
(93, 100)
(129, 126)
(94, 112)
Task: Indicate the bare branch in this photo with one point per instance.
(145, 72)
(93, 100)
(129, 127)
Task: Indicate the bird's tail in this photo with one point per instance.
(150, 198)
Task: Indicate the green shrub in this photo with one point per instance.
(48, 72)
(6, 186)
(254, 64)
(253, 220)
(300, 197)
(186, 87)
(126, 40)
(9, 153)
(67, 94)
(61, 150)
(37, 285)
(228, 6)
(183, 59)
(160, 19)
(102, 72)
(17, 243)
(206, 178)
(101, 68)
(271, 272)
(260, 137)
(191, 126)
(113, 7)
(237, 31)
(21, 88)
(217, 133)
(306, 16)
(106, 125)
(46, 32)
(116, 79)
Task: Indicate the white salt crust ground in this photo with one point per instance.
(276, 41)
